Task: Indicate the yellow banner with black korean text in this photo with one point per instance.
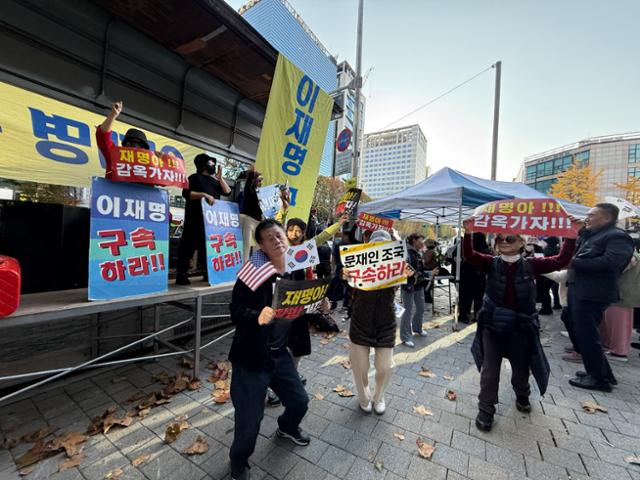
(47, 141)
(293, 134)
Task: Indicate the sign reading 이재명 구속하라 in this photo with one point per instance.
(538, 217)
(223, 237)
(129, 240)
(375, 265)
(293, 298)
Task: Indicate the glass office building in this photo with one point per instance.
(616, 156)
(284, 29)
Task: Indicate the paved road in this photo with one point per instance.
(558, 440)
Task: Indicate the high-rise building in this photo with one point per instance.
(393, 160)
(343, 160)
(616, 156)
(284, 29)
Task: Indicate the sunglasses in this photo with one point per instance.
(508, 239)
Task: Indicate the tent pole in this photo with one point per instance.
(458, 261)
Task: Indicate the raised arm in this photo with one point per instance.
(479, 260)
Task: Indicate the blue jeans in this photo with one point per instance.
(411, 321)
(248, 391)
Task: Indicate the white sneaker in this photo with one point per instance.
(423, 333)
(564, 333)
(409, 344)
(367, 408)
(616, 357)
(380, 407)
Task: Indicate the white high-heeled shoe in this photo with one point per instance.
(367, 408)
(380, 407)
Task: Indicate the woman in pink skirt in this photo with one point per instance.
(617, 323)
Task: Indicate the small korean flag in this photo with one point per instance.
(302, 256)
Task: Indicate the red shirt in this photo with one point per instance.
(539, 265)
(106, 146)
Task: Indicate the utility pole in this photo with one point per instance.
(356, 127)
(496, 117)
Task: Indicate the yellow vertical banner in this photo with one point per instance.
(293, 134)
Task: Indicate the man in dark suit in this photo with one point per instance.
(602, 253)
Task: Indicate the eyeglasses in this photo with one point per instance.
(508, 239)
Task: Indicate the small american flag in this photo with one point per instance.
(256, 271)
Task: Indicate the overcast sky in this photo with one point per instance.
(570, 70)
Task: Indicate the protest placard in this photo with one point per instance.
(138, 165)
(302, 256)
(223, 237)
(368, 221)
(270, 200)
(375, 265)
(129, 240)
(294, 298)
(348, 202)
(538, 217)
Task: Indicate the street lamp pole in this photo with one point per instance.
(496, 117)
(358, 84)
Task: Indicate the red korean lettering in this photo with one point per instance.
(112, 270)
(115, 244)
(138, 266)
(143, 237)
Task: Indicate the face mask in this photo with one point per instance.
(210, 168)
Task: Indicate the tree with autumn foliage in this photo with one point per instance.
(631, 190)
(327, 194)
(578, 184)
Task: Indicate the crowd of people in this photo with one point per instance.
(593, 279)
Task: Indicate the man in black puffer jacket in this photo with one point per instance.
(602, 253)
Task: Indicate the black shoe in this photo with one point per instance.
(484, 421)
(240, 473)
(183, 280)
(523, 405)
(272, 399)
(635, 345)
(545, 312)
(611, 380)
(303, 379)
(589, 383)
(299, 437)
(557, 307)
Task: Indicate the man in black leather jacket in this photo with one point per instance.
(602, 253)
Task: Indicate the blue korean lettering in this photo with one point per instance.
(294, 194)
(295, 154)
(311, 94)
(65, 130)
(301, 127)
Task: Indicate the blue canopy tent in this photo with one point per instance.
(448, 196)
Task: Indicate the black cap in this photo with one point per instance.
(201, 160)
(135, 134)
(297, 222)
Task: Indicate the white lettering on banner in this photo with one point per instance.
(375, 265)
(107, 205)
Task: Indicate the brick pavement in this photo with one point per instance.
(556, 441)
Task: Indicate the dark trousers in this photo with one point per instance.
(336, 289)
(586, 316)
(192, 239)
(496, 346)
(472, 286)
(248, 391)
(568, 324)
(547, 285)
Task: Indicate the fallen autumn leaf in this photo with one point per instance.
(72, 462)
(422, 410)
(399, 436)
(141, 459)
(198, 447)
(592, 407)
(451, 395)
(424, 449)
(425, 372)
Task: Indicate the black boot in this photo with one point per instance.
(484, 421)
(182, 279)
(611, 380)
